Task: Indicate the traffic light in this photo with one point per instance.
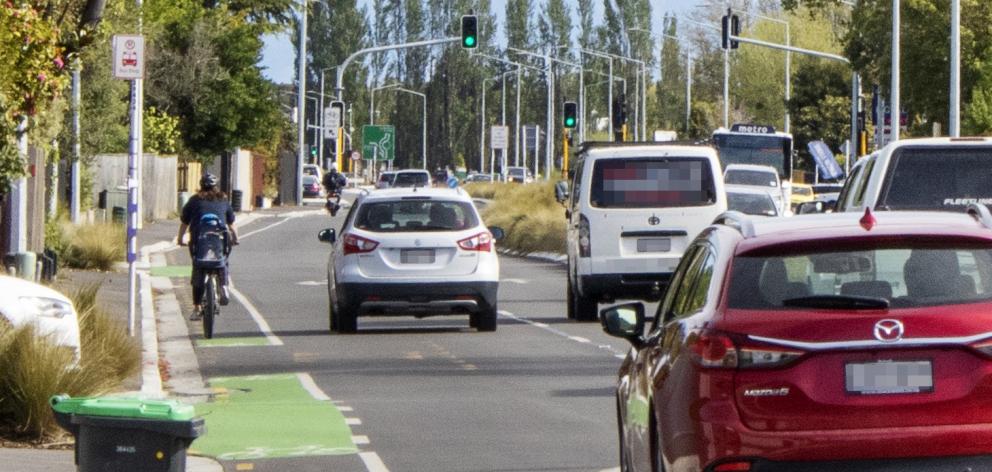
(313, 152)
(470, 31)
(731, 25)
(619, 110)
(571, 119)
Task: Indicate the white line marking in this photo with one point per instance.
(360, 440)
(263, 326)
(345, 409)
(514, 281)
(353, 421)
(615, 469)
(311, 387)
(558, 332)
(372, 462)
(151, 379)
(259, 230)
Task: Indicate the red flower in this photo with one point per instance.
(59, 63)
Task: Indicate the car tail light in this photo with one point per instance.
(354, 244)
(719, 350)
(984, 347)
(736, 466)
(482, 242)
(585, 237)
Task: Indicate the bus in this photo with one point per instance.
(757, 145)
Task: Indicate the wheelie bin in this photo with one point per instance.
(128, 434)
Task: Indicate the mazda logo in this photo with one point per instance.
(888, 331)
(654, 220)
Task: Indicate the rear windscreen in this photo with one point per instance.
(751, 204)
(951, 178)
(750, 177)
(904, 275)
(411, 179)
(415, 215)
(651, 183)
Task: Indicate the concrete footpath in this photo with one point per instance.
(161, 331)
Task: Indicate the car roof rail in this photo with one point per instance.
(738, 221)
(980, 213)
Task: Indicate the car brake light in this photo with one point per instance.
(585, 237)
(715, 349)
(482, 242)
(354, 244)
(738, 466)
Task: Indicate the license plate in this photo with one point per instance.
(417, 256)
(654, 245)
(880, 378)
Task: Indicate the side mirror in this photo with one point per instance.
(806, 208)
(498, 233)
(327, 236)
(624, 321)
(561, 191)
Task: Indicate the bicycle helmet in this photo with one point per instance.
(208, 181)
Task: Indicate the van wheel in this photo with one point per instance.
(569, 301)
(583, 308)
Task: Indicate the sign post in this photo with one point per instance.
(129, 64)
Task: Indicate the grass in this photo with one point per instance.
(91, 247)
(528, 213)
(34, 368)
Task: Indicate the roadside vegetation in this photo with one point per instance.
(528, 213)
(34, 368)
(92, 247)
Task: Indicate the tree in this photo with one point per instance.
(820, 107)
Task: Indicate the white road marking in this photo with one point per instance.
(372, 462)
(312, 283)
(615, 469)
(311, 387)
(360, 440)
(556, 331)
(345, 409)
(515, 281)
(353, 421)
(263, 325)
(259, 230)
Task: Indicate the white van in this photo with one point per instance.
(632, 209)
(936, 174)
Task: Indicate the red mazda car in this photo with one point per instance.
(835, 342)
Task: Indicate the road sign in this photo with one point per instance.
(379, 142)
(356, 156)
(332, 121)
(129, 56)
(499, 137)
(825, 160)
(452, 182)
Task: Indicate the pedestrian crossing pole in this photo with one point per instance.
(564, 154)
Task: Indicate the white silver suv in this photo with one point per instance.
(758, 177)
(415, 251)
(632, 210)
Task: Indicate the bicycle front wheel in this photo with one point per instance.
(209, 306)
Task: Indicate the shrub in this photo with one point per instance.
(528, 213)
(35, 368)
(94, 247)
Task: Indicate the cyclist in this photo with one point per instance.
(334, 183)
(208, 205)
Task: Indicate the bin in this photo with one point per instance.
(237, 198)
(128, 434)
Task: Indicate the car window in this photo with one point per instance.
(852, 181)
(678, 276)
(411, 179)
(751, 177)
(751, 203)
(909, 274)
(953, 178)
(415, 215)
(651, 183)
(683, 303)
(576, 189)
(859, 193)
(694, 287)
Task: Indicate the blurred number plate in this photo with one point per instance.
(879, 378)
(654, 245)
(417, 256)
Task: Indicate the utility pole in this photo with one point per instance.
(301, 102)
(76, 146)
(954, 123)
(895, 116)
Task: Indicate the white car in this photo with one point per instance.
(763, 177)
(23, 303)
(750, 201)
(937, 174)
(411, 178)
(419, 252)
(632, 211)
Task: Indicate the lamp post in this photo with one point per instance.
(423, 144)
(726, 72)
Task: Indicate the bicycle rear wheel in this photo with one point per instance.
(209, 306)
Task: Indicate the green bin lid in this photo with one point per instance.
(123, 407)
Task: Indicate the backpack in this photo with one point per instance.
(211, 247)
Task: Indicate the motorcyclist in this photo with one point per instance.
(334, 183)
(209, 202)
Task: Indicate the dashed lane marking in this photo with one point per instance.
(372, 462)
(345, 409)
(353, 421)
(606, 347)
(360, 440)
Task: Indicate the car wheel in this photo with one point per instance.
(345, 319)
(484, 320)
(584, 308)
(569, 300)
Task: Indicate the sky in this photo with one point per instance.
(278, 55)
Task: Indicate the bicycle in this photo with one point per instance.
(333, 203)
(210, 256)
(209, 304)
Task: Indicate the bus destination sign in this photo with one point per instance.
(755, 129)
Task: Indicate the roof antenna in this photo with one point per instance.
(868, 220)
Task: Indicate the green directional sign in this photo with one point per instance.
(379, 142)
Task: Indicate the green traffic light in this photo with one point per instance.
(570, 122)
(469, 41)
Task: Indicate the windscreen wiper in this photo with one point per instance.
(837, 302)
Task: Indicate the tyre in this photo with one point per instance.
(332, 322)
(209, 306)
(484, 320)
(569, 300)
(583, 308)
(345, 319)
